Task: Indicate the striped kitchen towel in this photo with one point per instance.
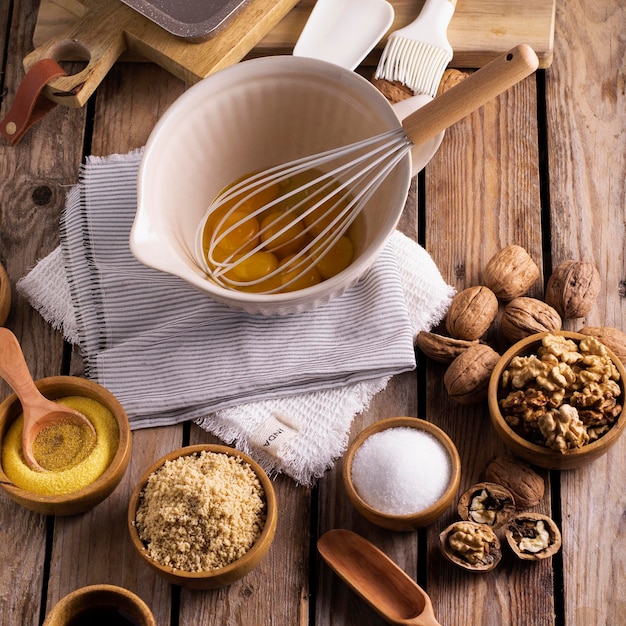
(170, 353)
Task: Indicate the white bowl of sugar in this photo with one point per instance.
(402, 473)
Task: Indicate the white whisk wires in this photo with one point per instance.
(343, 190)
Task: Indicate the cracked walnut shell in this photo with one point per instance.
(441, 348)
(487, 503)
(474, 547)
(471, 313)
(533, 536)
(572, 288)
(510, 273)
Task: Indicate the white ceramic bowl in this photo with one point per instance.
(248, 117)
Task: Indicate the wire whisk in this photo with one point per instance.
(313, 201)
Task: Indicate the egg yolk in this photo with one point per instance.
(290, 241)
(321, 217)
(254, 267)
(302, 276)
(235, 232)
(243, 236)
(336, 259)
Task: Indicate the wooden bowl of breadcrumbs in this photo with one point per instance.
(203, 516)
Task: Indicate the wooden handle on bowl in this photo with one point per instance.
(476, 90)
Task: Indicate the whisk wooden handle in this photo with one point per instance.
(470, 94)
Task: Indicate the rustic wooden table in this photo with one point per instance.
(543, 166)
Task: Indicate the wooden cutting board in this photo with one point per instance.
(102, 31)
(479, 31)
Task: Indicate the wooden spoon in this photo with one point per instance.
(376, 578)
(39, 412)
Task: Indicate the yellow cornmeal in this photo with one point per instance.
(53, 483)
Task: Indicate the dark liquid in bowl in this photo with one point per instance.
(104, 616)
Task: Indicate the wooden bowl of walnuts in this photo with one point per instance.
(556, 399)
(203, 516)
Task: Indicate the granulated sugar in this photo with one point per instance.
(401, 470)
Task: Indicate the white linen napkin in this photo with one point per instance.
(283, 389)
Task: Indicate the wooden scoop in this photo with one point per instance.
(39, 412)
(376, 578)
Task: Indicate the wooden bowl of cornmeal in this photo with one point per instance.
(402, 473)
(78, 473)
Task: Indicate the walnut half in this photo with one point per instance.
(472, 546)
(533, 536)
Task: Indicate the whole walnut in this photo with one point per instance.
(451, 77)
(393, 90)
(467, 377)
(572, 288)
(471, 313)
(613, 338)
(519, 478)
(510, 273)
(525, 316)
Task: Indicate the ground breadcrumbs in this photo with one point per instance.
(200, 512)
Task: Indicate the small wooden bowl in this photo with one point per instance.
(540, 455)
(119, 601)
(233, 571)
(412, 521)
(5, 295)
(86, 498)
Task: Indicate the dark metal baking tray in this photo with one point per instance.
(190, 19)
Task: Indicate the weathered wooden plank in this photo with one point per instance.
(32, 176)
(276, 591)
(95, 547)
(587, 138)
(335, 602)
(129, 103)
(482, 193)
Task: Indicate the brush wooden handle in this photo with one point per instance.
(472, 93)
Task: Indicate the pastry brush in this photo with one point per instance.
(418, 54)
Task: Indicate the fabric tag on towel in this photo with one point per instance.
(272, 434)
